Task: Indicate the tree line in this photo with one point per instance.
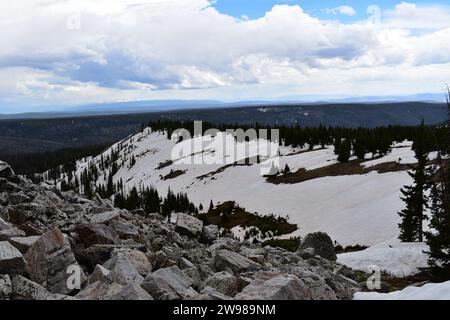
(428, 198)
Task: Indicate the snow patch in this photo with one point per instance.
(396, 258)
(432, 291)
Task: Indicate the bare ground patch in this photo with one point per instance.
(338, 169)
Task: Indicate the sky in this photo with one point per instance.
(60, 53)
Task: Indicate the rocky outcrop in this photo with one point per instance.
(321, 243)
(57, 246)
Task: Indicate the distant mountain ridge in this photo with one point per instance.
(72, 131)
(128, 107)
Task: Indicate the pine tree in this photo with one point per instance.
(359, 149)
(438, 239)
(344, 151)
(414, 196)
(211, 206)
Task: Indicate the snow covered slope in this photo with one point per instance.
(354, 209)
(432, 291)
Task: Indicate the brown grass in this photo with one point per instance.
(339, 169)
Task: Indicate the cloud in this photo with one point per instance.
(411, 16)
(68, 52)
(346, 10)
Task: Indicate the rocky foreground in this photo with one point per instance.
(57, 245)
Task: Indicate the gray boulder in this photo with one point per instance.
(124, 230)
(99, 291)
(137, 258)
(25, 289)
(223, 282)
(100, 273)
(169, 284)
(280, 287)
(123, 271)
(5, 287)
(212, 294)
(188, 225)
(23, 243)
(210, 233)
(321, 243)
(11, 260)
(132, 292)
(8, 231)
(105, 217)
(320, 290)
(49, 260)
(90, 234)
(228, 260)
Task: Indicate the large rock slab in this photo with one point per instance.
(49, 260)
(11, 260)
(321, 243)
(105, 217)
(99, 291)
(25, 289)
(23, 243)
(8, 231)
(223, 282)
(124, 230)
(169, 284)
(280, 287)
(188, 225)
(137, 258)
(229, 260)
(123, 271)
(96, 233)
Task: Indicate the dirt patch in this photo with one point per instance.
(337, 169)
(247, 162)
(164, 164)
(174, 174)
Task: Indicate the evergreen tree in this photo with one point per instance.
(414, 196)
(211, 206)
(344, 151)
(359, 148)
(438, 239)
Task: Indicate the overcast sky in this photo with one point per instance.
(69, 52)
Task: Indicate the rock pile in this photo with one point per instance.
(57, 245)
